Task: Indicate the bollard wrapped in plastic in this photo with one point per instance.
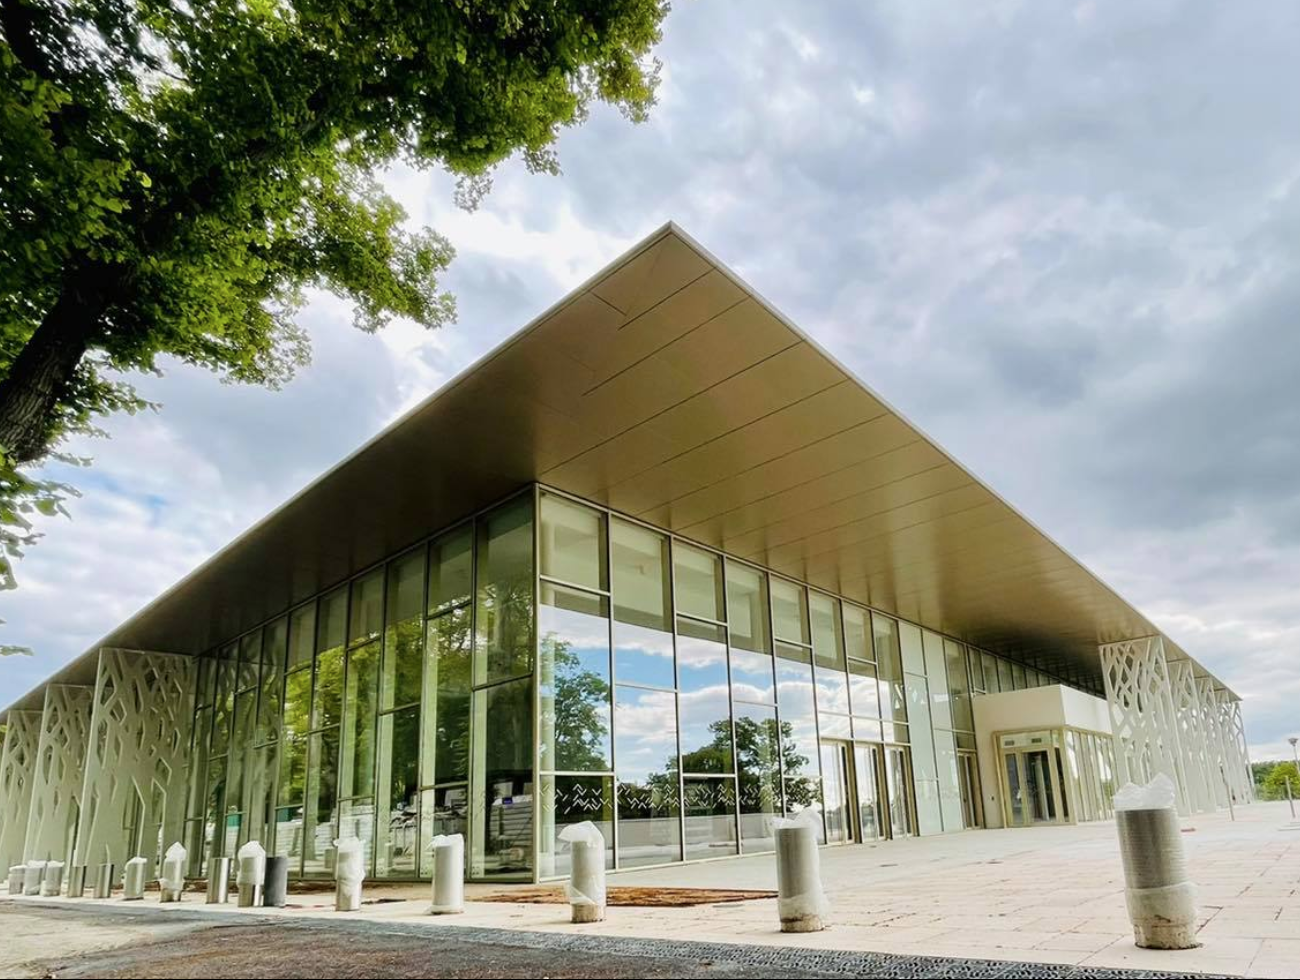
(448, 874)
(17, 872)
(52, 883)
(587, 871)
(801, 902)
(33, 874)
(251, 873)
(171, 886)
(133, 879)
(1161, 900)
(349, 873)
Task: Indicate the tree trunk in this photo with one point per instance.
(40, 374)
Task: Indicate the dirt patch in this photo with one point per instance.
(664, 898)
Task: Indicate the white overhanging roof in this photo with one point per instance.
(670, 391)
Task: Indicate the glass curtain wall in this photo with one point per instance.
(355, 714)
(678, 698)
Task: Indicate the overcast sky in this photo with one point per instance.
(1063, 240)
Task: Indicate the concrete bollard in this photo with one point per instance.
(104, 880)
(133, 879)
(586, 872)
(52, 884)
(1161, 900)
(171, 885)
(77, 881)
(33, 875)
(800, 903)
(349, 874)
(17, 872)
(218, 880)
(275, 887)
(448, 874)
(251, 874)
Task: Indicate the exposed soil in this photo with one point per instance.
(664, 898)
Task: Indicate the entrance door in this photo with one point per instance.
(969, 782)
(1033, 793)
(837, 790)
(897, 783)
(872, 822)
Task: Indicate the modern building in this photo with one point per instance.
(658, 561)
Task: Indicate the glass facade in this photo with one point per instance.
(549, 662)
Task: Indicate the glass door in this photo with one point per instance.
(837, 787)
(866, 783)
(969, 782)
(1032, 779)
(897, 784)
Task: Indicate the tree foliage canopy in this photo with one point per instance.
(174, 175)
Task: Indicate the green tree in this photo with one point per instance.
(1275, 783)
(173, 176)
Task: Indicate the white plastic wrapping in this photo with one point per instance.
(33, 873)
(586, 889)
(448, 874)
(252, 864)
(801, 902)
(172, 883)
(1159, 794)
(1160, 898)
(17, 873)
(52, 883)
(349, 873)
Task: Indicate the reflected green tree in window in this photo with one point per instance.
(581, 709)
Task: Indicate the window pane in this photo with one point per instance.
(503, 617)
(1018, 672)
(293, 756)
(643, 656)
(958, 686)
(701, 631)
(936, 675)
(327, 704)
(645, 730)
(322, 801)
(789, 611)
(404, 636)
(794, 698)
(331, 622)
(367, 607)
(250, 657)
(864, 695)
(240, 747)
(893, 702)
(990, 663)
(568, 800)
(359, 733)
(699, 582)
(446, 727)
(572, 542)
(502, 840)
(832, 690)
(575, 682)
(747, 607)
(1005, 681)
(758, 767)
(751, 677)
(710, 818)
(828, 644)
(857, 634)
(640, 576)
(399, 793)
(288, 837)
(451, 569)
(705, 706)
(302, 635)
(274, 639)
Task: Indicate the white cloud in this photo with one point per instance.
(1075, 224)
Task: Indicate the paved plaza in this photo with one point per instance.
(1050, 896)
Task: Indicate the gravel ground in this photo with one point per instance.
(122, 942)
